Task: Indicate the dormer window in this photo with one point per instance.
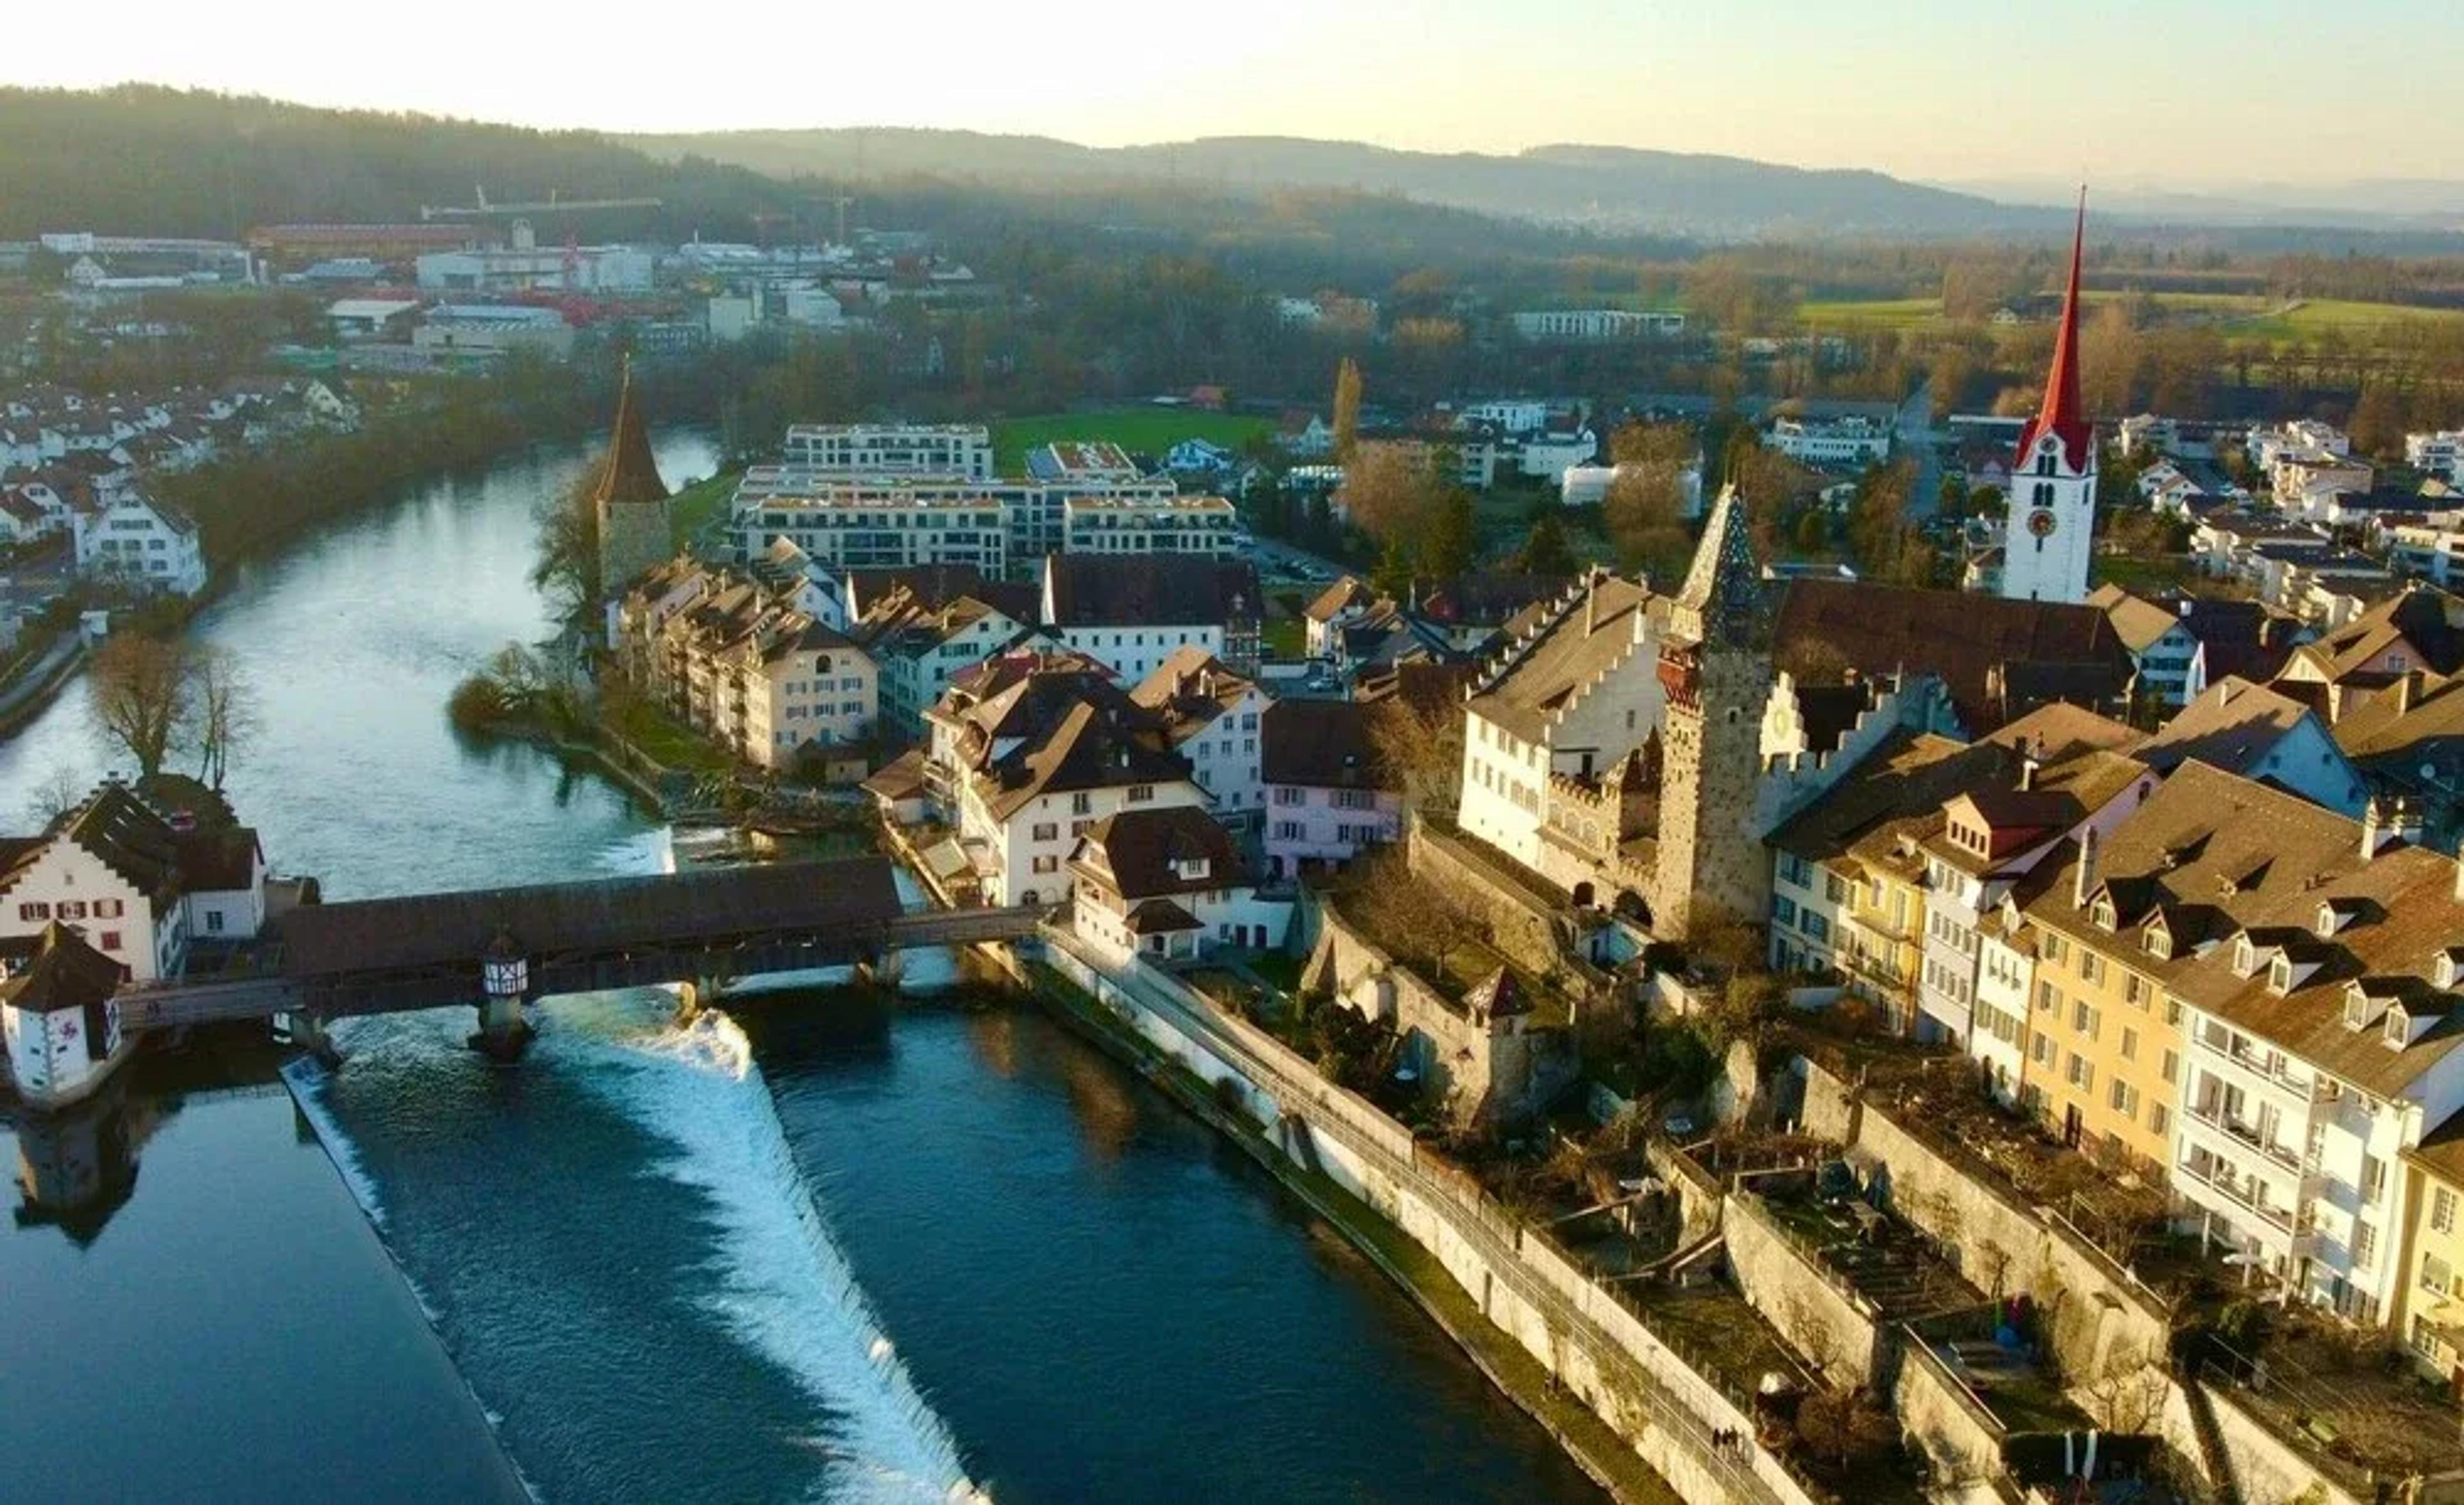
(2245, 956)
(2103, 914)
(2279, 974)
(2358, 1007)
(1190, 868)
(2159, 945)
(2399, 1029)
(2443, 970)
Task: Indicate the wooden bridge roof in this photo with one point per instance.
(606, 914)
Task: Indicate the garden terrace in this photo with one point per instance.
(2346, 1398)
(1879, 1257)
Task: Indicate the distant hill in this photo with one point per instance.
(1603, 187)
(139, 159)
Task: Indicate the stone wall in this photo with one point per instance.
(1525, 931)
(1936, 1407)
(1828, 1325)
(1594, 1346)
(1700, 1201)
(1829, 1111)
(1506, 1067)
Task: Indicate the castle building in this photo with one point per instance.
(2045, 543)
(630, 501)
(1715, 675)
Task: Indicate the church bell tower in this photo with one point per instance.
(2045, 541)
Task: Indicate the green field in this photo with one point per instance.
(1140, 430)
(2232, 313)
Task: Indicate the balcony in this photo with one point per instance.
(2254, 1065)
(2218, 1177)
(2245, 1135)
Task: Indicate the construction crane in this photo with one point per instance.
(842, 201)
(482, 208)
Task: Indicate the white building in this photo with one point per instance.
(137, 883)
(57, 1015)
(2440, 453)
(1850, 439)
(1210, 715)
(1167, 885)
(138, 541)
(1204, 525)
(2046, 539)
(862, 450)
(1596, 324)
(1576, 688)
(1514, 416)
(1130, 612)
(490, 329)
(1028, 753)
(1549, 456)
(1588, 485)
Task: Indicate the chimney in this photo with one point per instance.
(2028, 768)
(2083, 878)
(2378, 831)
(1590, 604)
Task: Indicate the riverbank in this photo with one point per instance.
(1586, 1439)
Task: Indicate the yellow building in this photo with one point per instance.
(2434, 1268)
(2120, 920)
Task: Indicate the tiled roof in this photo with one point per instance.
(1321, 744)
(1134, 853)
(1146, 590)
(57, 972)
(1995, 656)
(2233, 725)
(1559, 648)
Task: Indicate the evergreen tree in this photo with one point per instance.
(1392, 577)
(1544, 548)
(1346, 407)
(1450, 539)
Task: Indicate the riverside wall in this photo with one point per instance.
(1590, 1342)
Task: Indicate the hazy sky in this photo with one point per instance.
(2176, 92)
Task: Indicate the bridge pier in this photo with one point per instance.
(503, 1031)
(308, 1031)
(882, 970)
(505, 975)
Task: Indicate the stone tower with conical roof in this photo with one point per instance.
(2052, 474)
(1715, 668)
(629, 500)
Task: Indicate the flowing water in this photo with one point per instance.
(807, 1247)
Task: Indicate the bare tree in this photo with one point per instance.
(1421, 749)
(142, 691)
(2127, 1395)
(223, 710)
(59, 794)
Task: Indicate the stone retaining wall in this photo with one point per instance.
(1828, 1325)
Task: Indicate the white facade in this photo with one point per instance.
(1852, 440)
(49, 1054)
(1549, 456)
(1025, 858)
(137, 541)
(2440, 453)
(1203, 525)
(1596, 323)
(858, 450)
(1133, 653)
(2046, 540)
(80, 890)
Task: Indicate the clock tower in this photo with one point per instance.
(2053, 476)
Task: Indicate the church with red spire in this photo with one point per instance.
(2045, 542)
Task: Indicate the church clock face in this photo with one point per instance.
(2042, 522)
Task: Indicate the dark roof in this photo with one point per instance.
(122, 831)
(1722, 597)
(1146, 590)
(1975, 644)
(1322, 744)
(56, 970)
(1488, 597)
(934, 586)
(2233, 725)
(1425, 685)
(630, 472)
(1135, 852)
(697, 904)
(1828, 712)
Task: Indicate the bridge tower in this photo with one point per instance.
(505, 981)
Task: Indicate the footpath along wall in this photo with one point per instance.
(1599, 1349)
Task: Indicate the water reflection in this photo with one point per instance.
(77, 1166)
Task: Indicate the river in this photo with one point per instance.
(806, 1249)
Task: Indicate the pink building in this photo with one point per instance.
(1326, 797)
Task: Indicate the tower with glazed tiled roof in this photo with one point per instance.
(1715, 670)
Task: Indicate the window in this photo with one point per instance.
(2156, 1118)
(2172, 1063)
(72, 909)
(2040, 1049)
(1140, 793)
(2442, 1209)
(2091, 967)
(111, 940)
(109, 908)
(2435, 1275)
(1046, 863)
(2365, 1242)
(2048, 999)
(2086, 1019)
(1815, 925)
(2135, 990)
(1082, 803)
(213, 922)
(2279, 974)
(1289, 796)
(2373, 1179)
(1045, 831)
(2081, 1073)
(1783, 910)
(2124, 1099)
(1289, 830)
(2129, 1044)
(37, 911)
